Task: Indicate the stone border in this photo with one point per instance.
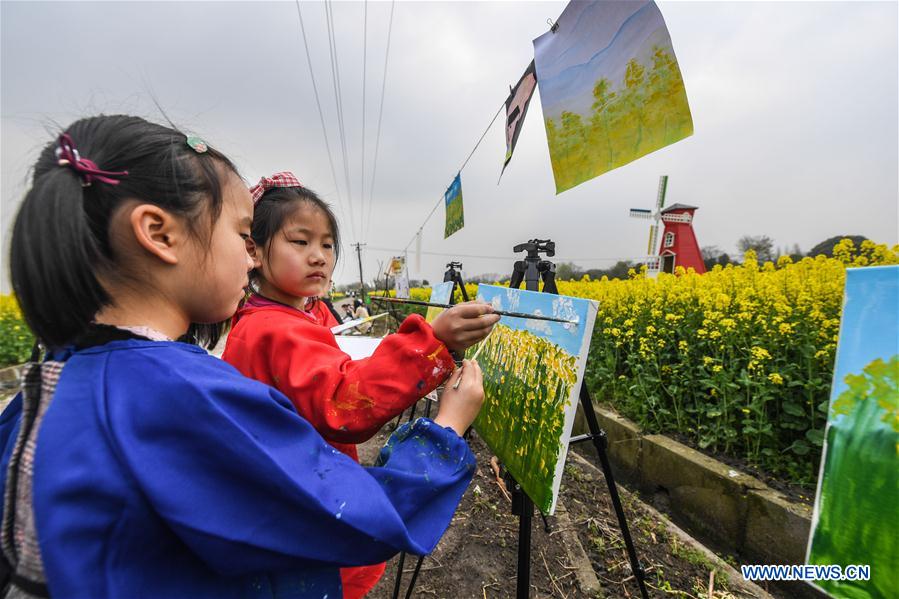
(734, 511)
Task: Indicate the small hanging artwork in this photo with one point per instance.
(453, 200)
(517, 108)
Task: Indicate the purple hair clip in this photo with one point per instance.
(67, 155)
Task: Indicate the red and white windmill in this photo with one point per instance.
(679, 245)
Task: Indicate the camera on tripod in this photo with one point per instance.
(536, 246)
(532, 268)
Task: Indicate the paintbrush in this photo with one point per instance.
(393, 300)
(477, 351)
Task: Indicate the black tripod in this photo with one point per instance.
(531, 270)
(453, 273)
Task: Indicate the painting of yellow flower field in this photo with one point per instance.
(611, 88)
(532, 375)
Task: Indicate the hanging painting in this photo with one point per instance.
(453, 199)
(517, 108)
(610, 86)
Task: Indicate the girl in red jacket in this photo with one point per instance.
(280, 337)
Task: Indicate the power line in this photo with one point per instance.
(510, 256)
(364, 61)
(335, 77)
(459, 170)
(371, 196)
(318, 104)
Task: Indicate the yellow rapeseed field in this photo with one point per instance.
(738, 360)
(16, 339)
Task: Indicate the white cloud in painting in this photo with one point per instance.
(514, 297)
(563, 307)
(541, 326)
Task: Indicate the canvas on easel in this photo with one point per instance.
(440, 294)
(856, 517)
(532, 378)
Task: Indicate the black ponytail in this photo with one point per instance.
(60, 243)
(54, 259)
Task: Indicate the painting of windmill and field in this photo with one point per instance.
(610, 86)
(532, 375)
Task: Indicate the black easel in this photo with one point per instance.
(453, 273)
(531, 270)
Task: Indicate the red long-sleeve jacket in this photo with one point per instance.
(346, 400)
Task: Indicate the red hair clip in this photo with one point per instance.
(282, 179)
(67, 155)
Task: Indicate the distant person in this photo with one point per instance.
(360, 311)
(278, 340)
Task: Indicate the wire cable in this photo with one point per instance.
(459, 170)
(364, 61)
(371, 194)
(318, 104)
(335, 78)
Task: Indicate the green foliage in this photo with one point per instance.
(648, 112)
(527, 384)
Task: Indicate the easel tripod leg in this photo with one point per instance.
(600, 441)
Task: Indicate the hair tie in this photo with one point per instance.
(282, 179)
(67, 155)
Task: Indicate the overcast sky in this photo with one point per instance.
(794, 108)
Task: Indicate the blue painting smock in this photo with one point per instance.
(160, 471)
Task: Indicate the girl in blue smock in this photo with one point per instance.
(134, 465)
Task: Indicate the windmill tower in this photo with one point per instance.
(679, 245)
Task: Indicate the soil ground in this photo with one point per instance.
(477, 557)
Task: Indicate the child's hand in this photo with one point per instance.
(460, 406)
(464, 325)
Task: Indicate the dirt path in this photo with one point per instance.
(582, 555)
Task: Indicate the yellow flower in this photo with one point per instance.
(776, 378)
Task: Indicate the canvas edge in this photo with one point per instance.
(570, 413)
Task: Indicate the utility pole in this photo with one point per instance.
(361, 280)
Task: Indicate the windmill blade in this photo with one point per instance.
(653, 231)
(663, 186)
(640, 213)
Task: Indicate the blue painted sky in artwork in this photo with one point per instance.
(594, 40)
(568, 337)
(870, 325)
(440, 293)
(454, 190)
